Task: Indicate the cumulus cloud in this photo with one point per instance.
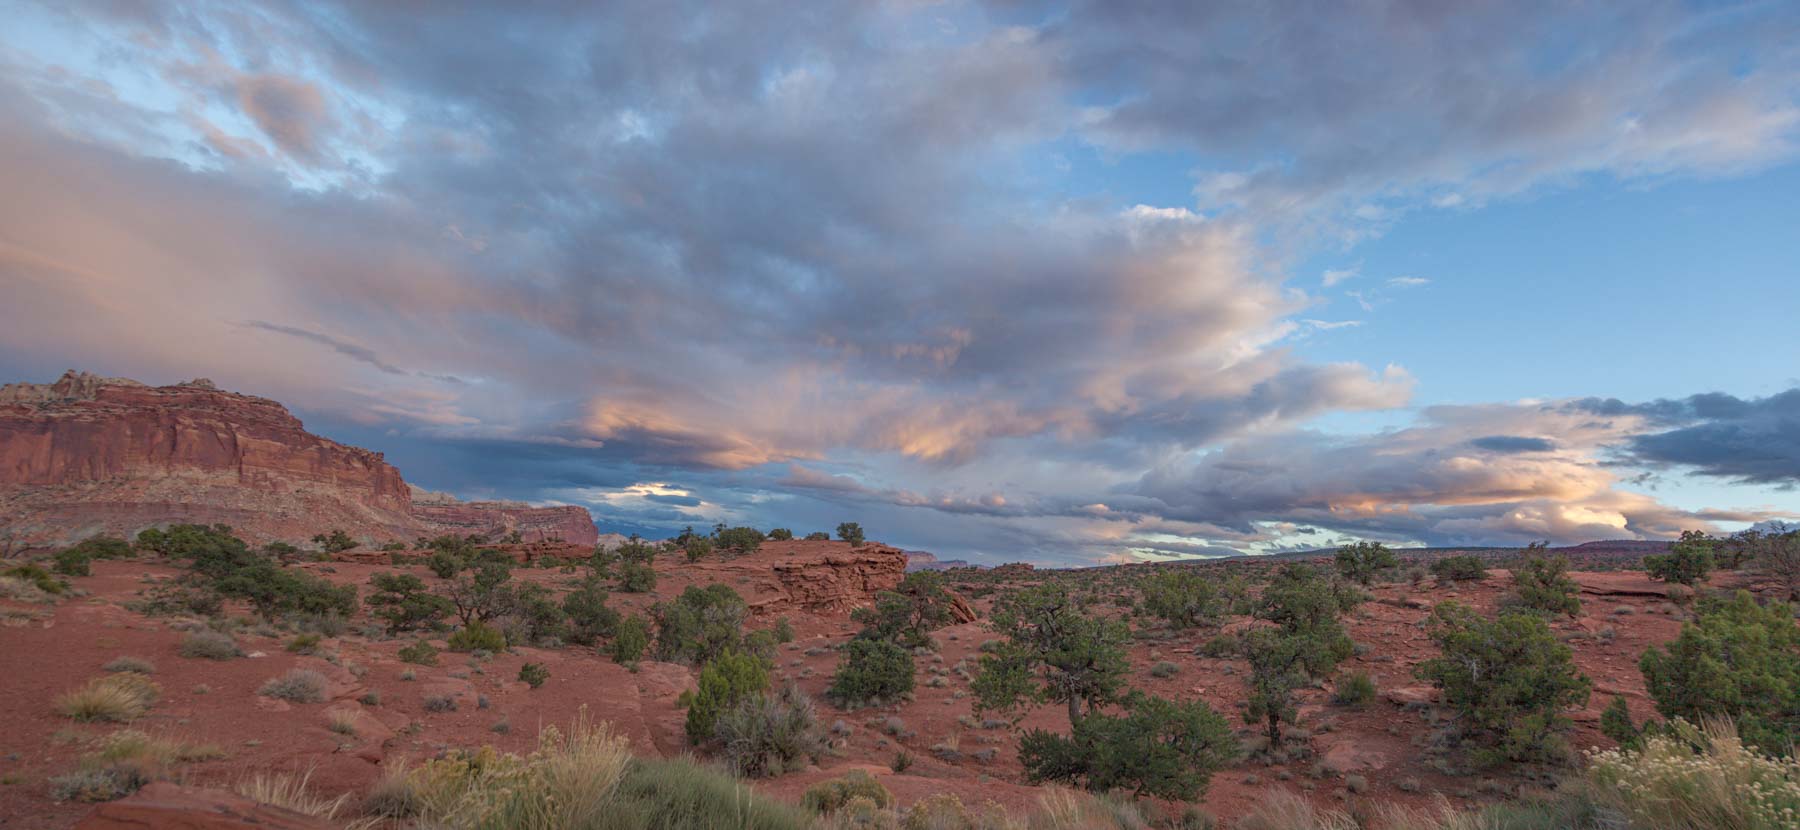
(1750, 440)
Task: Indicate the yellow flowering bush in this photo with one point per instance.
(1704, 777)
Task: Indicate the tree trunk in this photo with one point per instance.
(1074, 712)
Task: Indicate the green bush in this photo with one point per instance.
(589, 617)
(700, 624)
(1308, 608)
(419, 653)
(781, 534)
(477, 636)
(297, 686)
(444, 565)
(1735, 659)
(104, 547)
(1354, 689)
(1509, 679)
(1687, 563)
(871, 673)
(533, 674)
(851, 532)
(740, 539)
(1054, 649)
(1184, 598)
(767, 735)
(1363, 561)
(482, 593)
(1459, 568)
(402, 601)
(679, 794)
(630, 640)
(71, 562)
(1541, 583)
(1278, 668)
(906, 615)
(38, 577)
(697, 548)
(335, 542)
(727, 680)
(1157, 748)
(818, 536)
(227, 564)
(637, 578)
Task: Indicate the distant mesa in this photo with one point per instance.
(918, 560)
(91, 454)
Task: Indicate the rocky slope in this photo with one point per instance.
(89, 454)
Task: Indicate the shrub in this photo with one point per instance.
(571, 781)
(227, 565)
(631, 640)
(297, 686)
(766, 735)
(781, 534)
(72, 562)
(1307, 607)
(1363, 561)
(209, 644)
(1736, 659)
(115, 697)
(1541, 583)
(1777, 556)
(136, 665)
(697, 548)
(39, 578)
(700, 624)
(1184, 598)
(851, 532)
(827, 797)
(481, 593)
(99, 783)
(534, 674)
(103, 547)
(740, 539)
(726, 681)
(402, 601)
(1615, 723)
(477, 636)
(589, 617)
(1165, 669)
(419, 653)
(535, 617)
(871, 673)
(917, 606)
(637, 578)
(334, 542)
(1459, 568)
(1054, 650)
(439, 703)
(1278, 661)
(1509, 679)
(304, 644)
(1157, 748)
(1687, 562)
(818, 536)
(1354, 689)
(1700, 779)
(679, 794)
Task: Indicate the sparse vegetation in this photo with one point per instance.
(118, 698)
(297, 686)
(907, 615)
(1054, 649)
(477, 636)
(1364, 561)
(1462, 568)
(419, 653)
(726, 681)
(533, 674)
(1184, 598)
(1156, 748)
(335, 541)
(1735, 659)
(851, 532)
(871, 673)
(700, 624)
(1687, 562)
(636, 578)
(766, 735)
(631, 640)
(1541, 583)
(404, 603)
(1354, 689)
(205, 643)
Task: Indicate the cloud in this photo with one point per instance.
(1747, 440)
(804, 266)
(1408, 282)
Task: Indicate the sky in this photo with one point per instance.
(1053, 282)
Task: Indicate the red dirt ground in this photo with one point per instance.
(48, 649)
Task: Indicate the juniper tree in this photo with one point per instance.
(1362, 561)
(1736, 659)
(1509, 679)
(1055, 650)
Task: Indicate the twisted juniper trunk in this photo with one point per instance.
(1274, 729)
(1074, 711)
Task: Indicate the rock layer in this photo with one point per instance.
(89, 454)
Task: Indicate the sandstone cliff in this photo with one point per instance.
(89, 454)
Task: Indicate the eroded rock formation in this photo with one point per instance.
(90, 454)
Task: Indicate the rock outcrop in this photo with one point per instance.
(813, 576)
(90, 454)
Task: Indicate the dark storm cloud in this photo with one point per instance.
(1513, 443)
(1751, 440)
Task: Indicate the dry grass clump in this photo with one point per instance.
(1699, 777)
(567, 782)
(298, 686)
(343, 722)
(290, 791)
(115, 697)
(123, 762)
(135, 665)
